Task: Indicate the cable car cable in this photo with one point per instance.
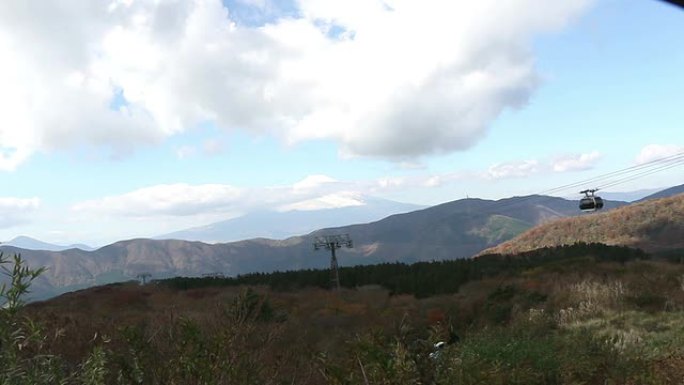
(644, 169)
(653, 163)
(640, 175)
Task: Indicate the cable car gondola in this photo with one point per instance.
(590, 202)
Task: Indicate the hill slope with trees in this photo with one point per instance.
(654, 225)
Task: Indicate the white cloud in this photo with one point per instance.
(408, 182)
(392, 182)
(518, 169)
(394, 79)
(576, 162)
(16, 211)
(165, 200)
(313, 181)
(653, 152)
(255, 3)
(438, 180)
(420, 78)
(181, 200)
(525, 168)
(433, 181)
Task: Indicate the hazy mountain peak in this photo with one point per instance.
(332, 210)
(29, 243)
(330, 201)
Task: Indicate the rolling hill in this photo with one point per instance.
(653, 225)
(457, 229)
(668, 192)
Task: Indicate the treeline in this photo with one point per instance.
(422, 279)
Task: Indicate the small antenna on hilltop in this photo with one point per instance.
(332, 243)
(143, 277)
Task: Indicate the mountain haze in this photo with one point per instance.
(29, 243)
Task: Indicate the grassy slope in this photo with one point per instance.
(499, 228)
(652, 225)
(568, 322)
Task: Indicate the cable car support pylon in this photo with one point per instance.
(332, 243)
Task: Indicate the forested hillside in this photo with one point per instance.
(421, 279)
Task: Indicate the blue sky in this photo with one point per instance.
(145, 120)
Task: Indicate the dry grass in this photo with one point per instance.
(652, 225)
(588, 323)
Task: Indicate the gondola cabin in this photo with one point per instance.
(590, 202)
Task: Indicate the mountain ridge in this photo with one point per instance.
(652, 225)
(452, 230)
(665, 193)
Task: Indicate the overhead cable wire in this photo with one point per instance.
(653, 163)
(604, 180)
(640, 175)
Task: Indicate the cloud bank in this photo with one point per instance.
(558, 164)
(390, 79)
(653, 152)
(312, 192)
(16, 211)
(185, 200)
(576, 162)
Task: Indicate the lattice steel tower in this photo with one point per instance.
(332, 243)
(143, 277)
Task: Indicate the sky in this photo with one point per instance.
(133, 118)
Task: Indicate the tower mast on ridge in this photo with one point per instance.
(332, 243)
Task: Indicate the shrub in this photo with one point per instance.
(22, 356)
(647, 301)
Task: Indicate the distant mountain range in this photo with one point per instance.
(280, 225)
(458, 229)
(629, 196)
(29, 243)
(668, 192)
